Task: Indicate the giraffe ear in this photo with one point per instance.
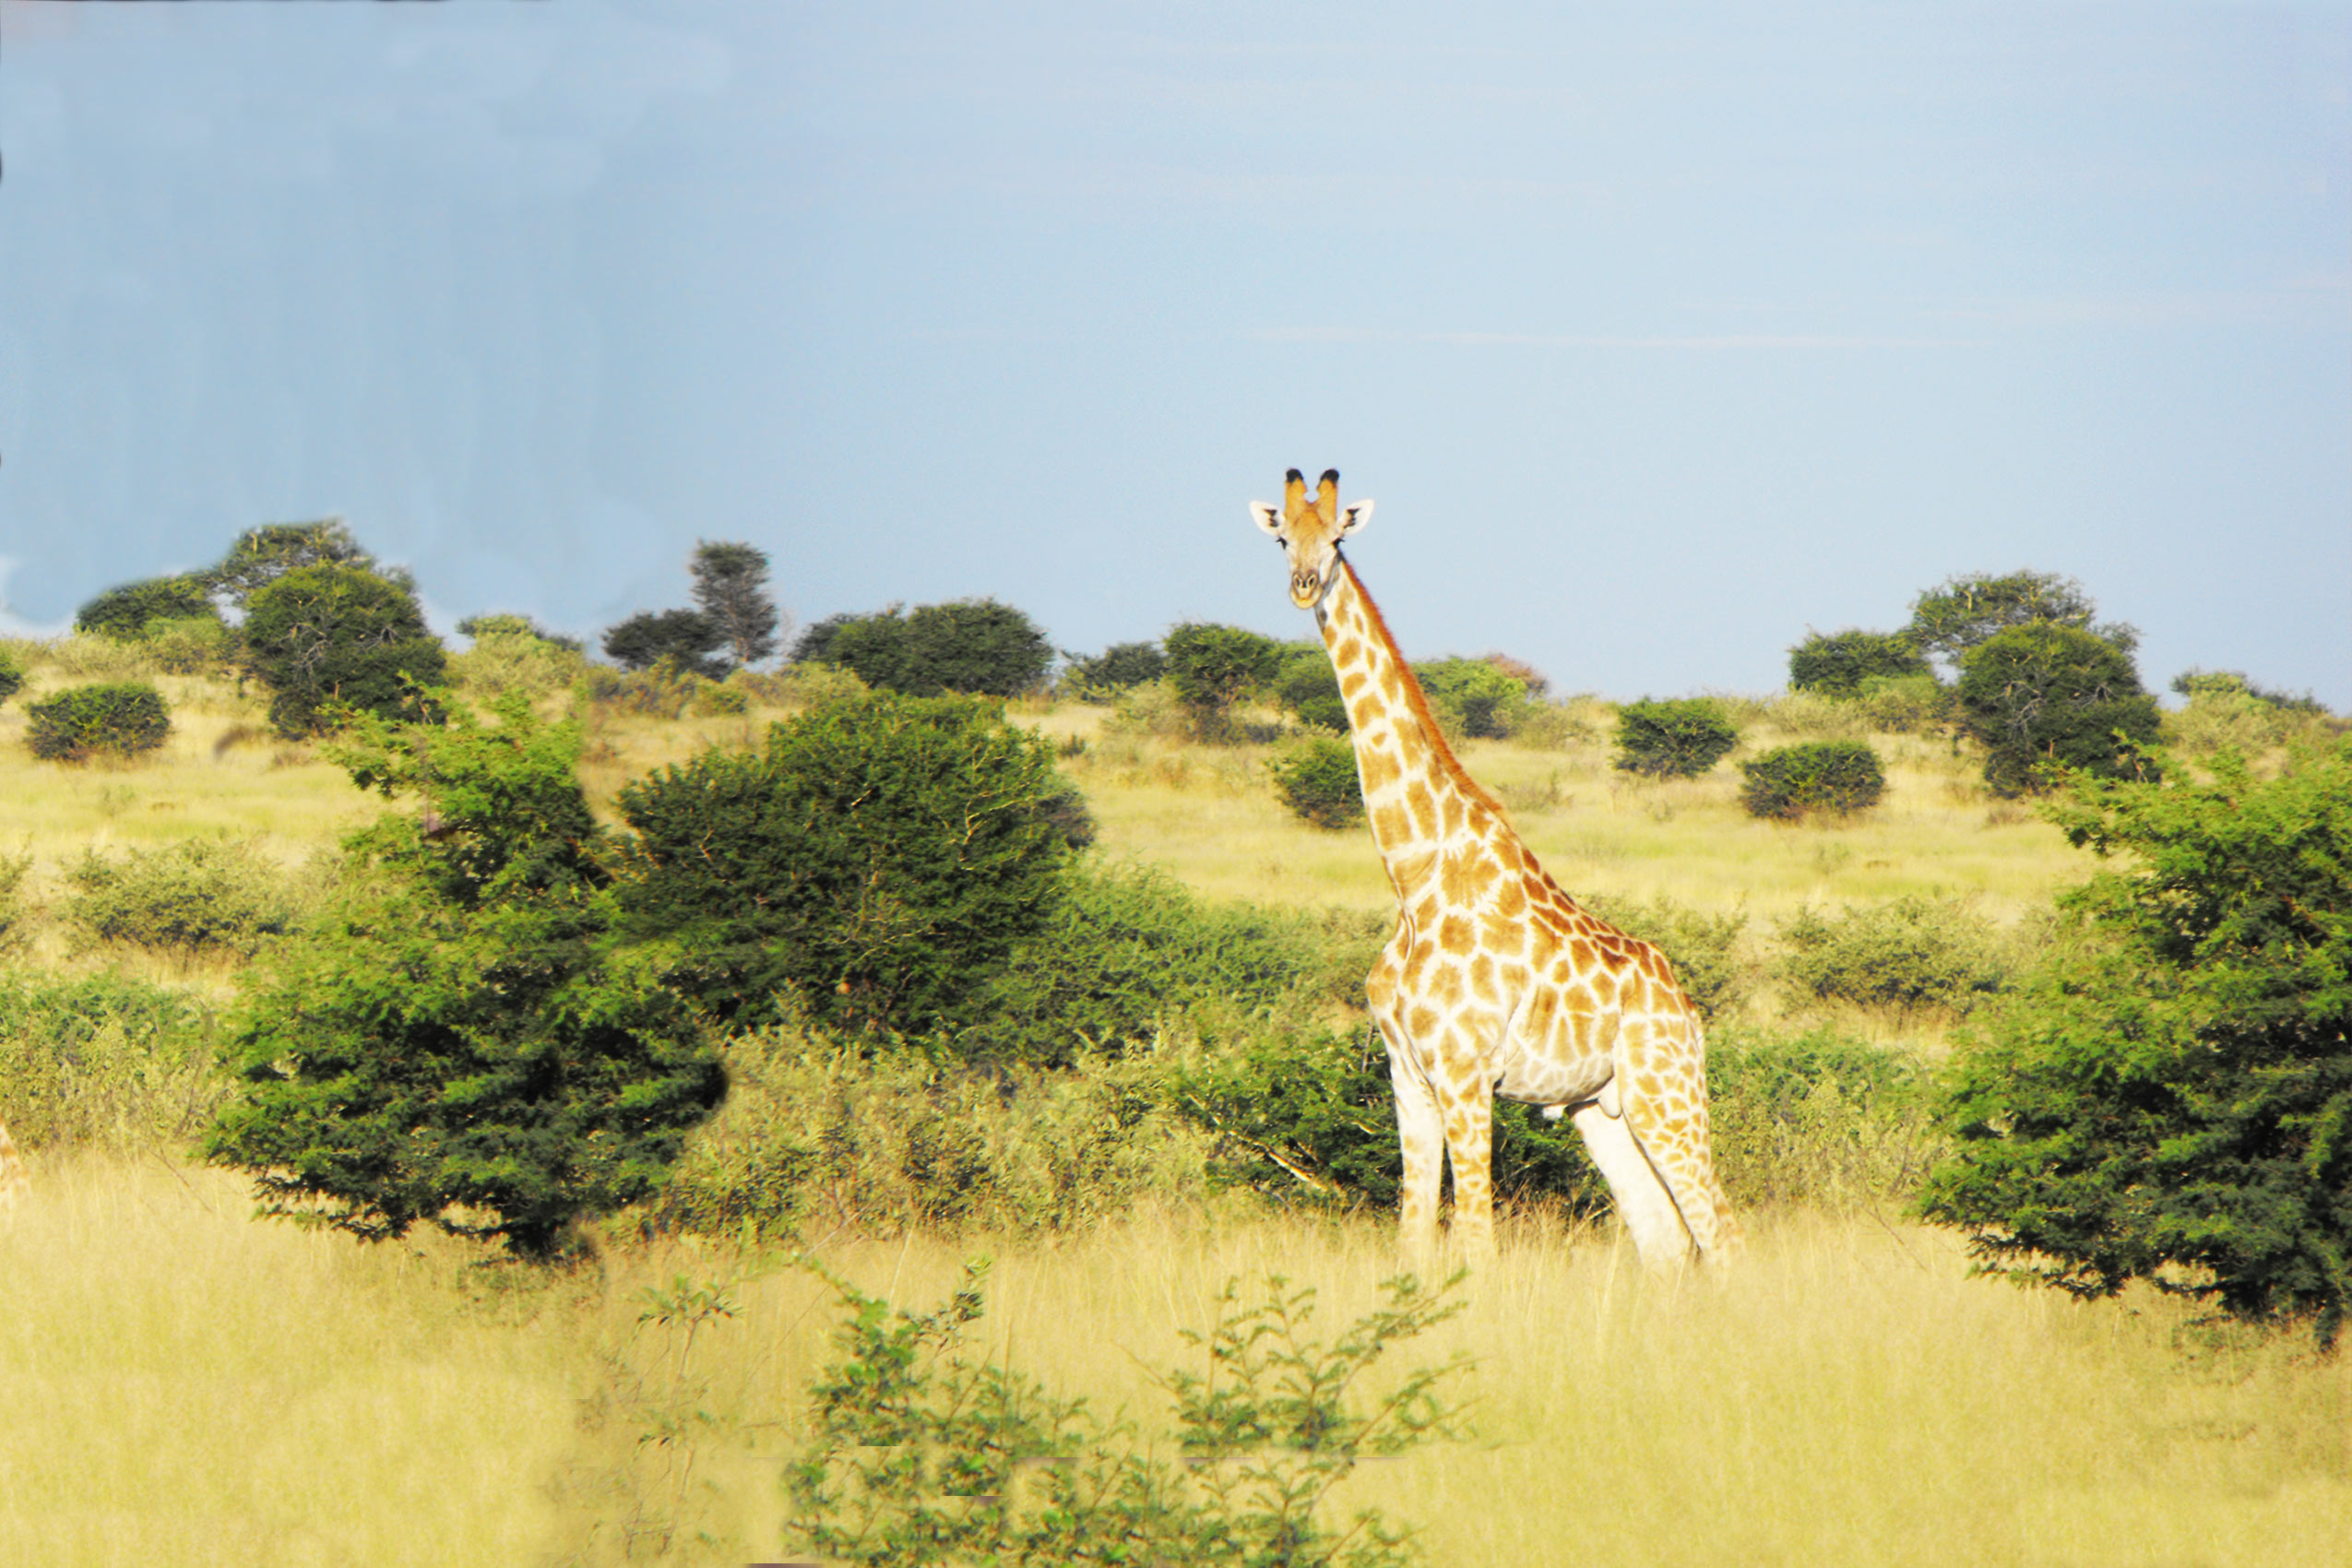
(1269, 517)
(1354, 516)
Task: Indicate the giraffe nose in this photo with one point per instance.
(1306, 586)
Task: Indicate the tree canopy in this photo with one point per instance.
(329, 633)
(730, 589)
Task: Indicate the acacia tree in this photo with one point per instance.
(1962, 611)
(730, 589)
(2044, 695)
(687, 638)
(2172, 1090)
(1835, 664)
(1212, 667)
(329, 634)
(263, 555)
(458, 1042)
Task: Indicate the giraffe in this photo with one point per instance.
(1495, 981)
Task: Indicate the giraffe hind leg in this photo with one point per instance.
(1643, 1206)
(1676, 1147)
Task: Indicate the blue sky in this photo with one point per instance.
(1660, 333)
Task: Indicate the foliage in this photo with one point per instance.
(1317, 781)
(2170, 1097)
(972, 645)
(331, 636)
(127, 611)
(458, 1043)
(2225, 711)
(923, 1455)
(2195, 683)
(1839, 777)
(263, 555)
(882, 856)
(197, 895)
(821, 1135)
(104, 1061)
(1211, 668)
(12, 676)
(1968, 610)
(730, 586)
(514, 653)
(1116, 667)
(2044, 696)
(686, 640)
(1473, 697)
(81, 722)
(1678, 738)
(1820, 1118)
(1836, 664)
(1903, 705)
(190, 645)
(1907, 953)
(1128, 952)
(1306, 685)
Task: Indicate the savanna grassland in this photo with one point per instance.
(192, 1382)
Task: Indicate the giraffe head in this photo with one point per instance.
(1309, 528)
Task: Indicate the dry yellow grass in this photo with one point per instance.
(1848, 1396)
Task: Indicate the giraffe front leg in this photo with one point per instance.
(1421, 1134)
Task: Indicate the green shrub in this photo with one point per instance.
(686, 640)
(882, 857)
(81, 722)
(198, 896)
(328, 637)
(1839, 777)
(1963, 612)
(131, 609)
(1680, 738)
(922, 1455)
(1820, 1120)
(458, 1043)
(13, 870)
(2166, 1097)
(511, 653)
(193, 645)
(2044, 695)
(12, 676)
(1317, 781)
(1904, 954)
(665, 690)
(1212, 667)
(1836, 664)
(107, 1062)
(1473, 697)
(1307, 688)
(1111, 671)
(975, 647)
(1128, 952)
(1903, 705)
(819, 1134)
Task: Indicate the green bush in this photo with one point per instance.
(193, 645)
(330, 637)
(129, 611)
(1317, 781)
(512, 653)
(1128, 952)
(881, 857)
(81, 722)
(1839, 777)
(457, 1041)
(1307, 687)
(198, 896)
(1820, 1120)
(1903, 705)
(1964, 611)
(1680, 738)
(1473, 697)
(2047, 696)
(921, 1453)
(1211, 668)
(1907, 953)
(2169, 1096)
(819, 1134)
(977, 647)
(1835, 664)
(106, 1063)
(686, 640)
(1111, 671)
(12, 676)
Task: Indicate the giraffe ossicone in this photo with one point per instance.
(1496, 982)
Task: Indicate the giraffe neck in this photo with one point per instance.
(1416, 794)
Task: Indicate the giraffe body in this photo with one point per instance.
(1495, 981)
